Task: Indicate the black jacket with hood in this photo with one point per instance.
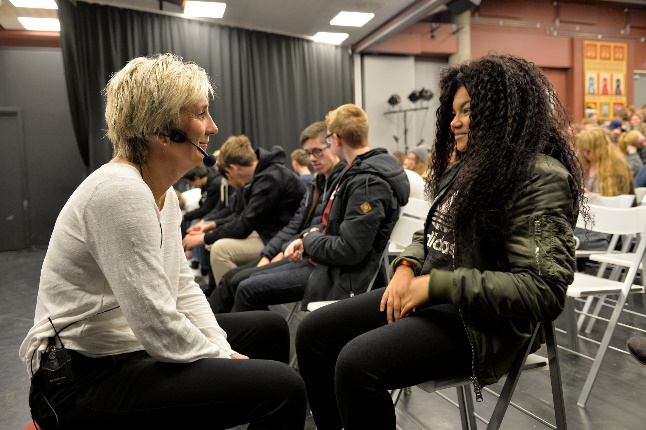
(364, 210)
(271, 199)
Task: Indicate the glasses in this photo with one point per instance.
(317, 153)
(328, 138)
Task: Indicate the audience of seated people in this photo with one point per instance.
(328, 168)
(271, 198)
(605, 172)
(338, 258)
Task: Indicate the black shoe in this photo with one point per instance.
(637, 348)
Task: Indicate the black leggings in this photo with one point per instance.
(349, 356)
(134, 390)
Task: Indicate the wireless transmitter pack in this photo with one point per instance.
(56, 365)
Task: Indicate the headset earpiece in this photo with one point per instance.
(176, 136)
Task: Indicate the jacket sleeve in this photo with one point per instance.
(262, 200)
(413, 253)
(275, 245)
(540, 251)
(357, 229)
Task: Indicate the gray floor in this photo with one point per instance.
(617, 400)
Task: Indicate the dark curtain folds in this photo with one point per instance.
(267, 86)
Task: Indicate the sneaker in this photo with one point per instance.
(637, 348)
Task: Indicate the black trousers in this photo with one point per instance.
(136, 391)
(349, 357)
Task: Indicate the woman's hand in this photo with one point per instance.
(404, 293)
(237, 356)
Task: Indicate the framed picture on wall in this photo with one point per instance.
(604, 110)
(618, 84)
(591, 83)
(616, 107)
(605, 84)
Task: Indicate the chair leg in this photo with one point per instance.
(570, 322)
(292, 313)
(603, 347)
(555, 376)
(597, 310)
(584, 311)
(465, 403)
(510, 385)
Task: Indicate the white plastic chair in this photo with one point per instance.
(640, 192)
(630, 221)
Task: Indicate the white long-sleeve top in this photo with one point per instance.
(111, 246)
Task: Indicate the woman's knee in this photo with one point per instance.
(355, 365)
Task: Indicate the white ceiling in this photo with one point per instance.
(300, 18)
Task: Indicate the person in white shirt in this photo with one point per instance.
(123, 337)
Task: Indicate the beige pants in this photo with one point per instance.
(229, 253)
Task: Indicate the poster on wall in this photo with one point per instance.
(604, 68)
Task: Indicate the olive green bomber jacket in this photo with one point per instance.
(500, 308)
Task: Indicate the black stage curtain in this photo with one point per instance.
(268, 86)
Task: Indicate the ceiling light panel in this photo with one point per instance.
(333, 38)
(352, 19)
(40, 24)
(35, 4)
(204, 9)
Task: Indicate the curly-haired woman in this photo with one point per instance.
(496, 255)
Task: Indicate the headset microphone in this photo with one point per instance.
(179, 137)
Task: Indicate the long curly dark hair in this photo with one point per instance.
(515, 115)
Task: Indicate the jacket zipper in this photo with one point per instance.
(474, 380)
(537, 233)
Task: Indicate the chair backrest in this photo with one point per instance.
(617, 220)
(620, 201)
(411, 219)
(640, 192)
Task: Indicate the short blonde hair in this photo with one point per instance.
(236, 150)
(350, 123)
(146, 97)
(299, 156)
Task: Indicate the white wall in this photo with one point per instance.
(384, 76)
(640, 89)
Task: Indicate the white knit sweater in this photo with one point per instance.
(110, 247)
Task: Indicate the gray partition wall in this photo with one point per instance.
(41, 165)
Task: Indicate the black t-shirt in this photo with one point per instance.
(440, 238)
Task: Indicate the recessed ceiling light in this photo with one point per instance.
(39, 4)
(40, 24)
(352, 19)
(205, 9)
(333, 38)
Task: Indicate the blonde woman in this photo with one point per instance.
(123, 336)
(606, 171)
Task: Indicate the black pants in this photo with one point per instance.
(135, 390)
(349, 356)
